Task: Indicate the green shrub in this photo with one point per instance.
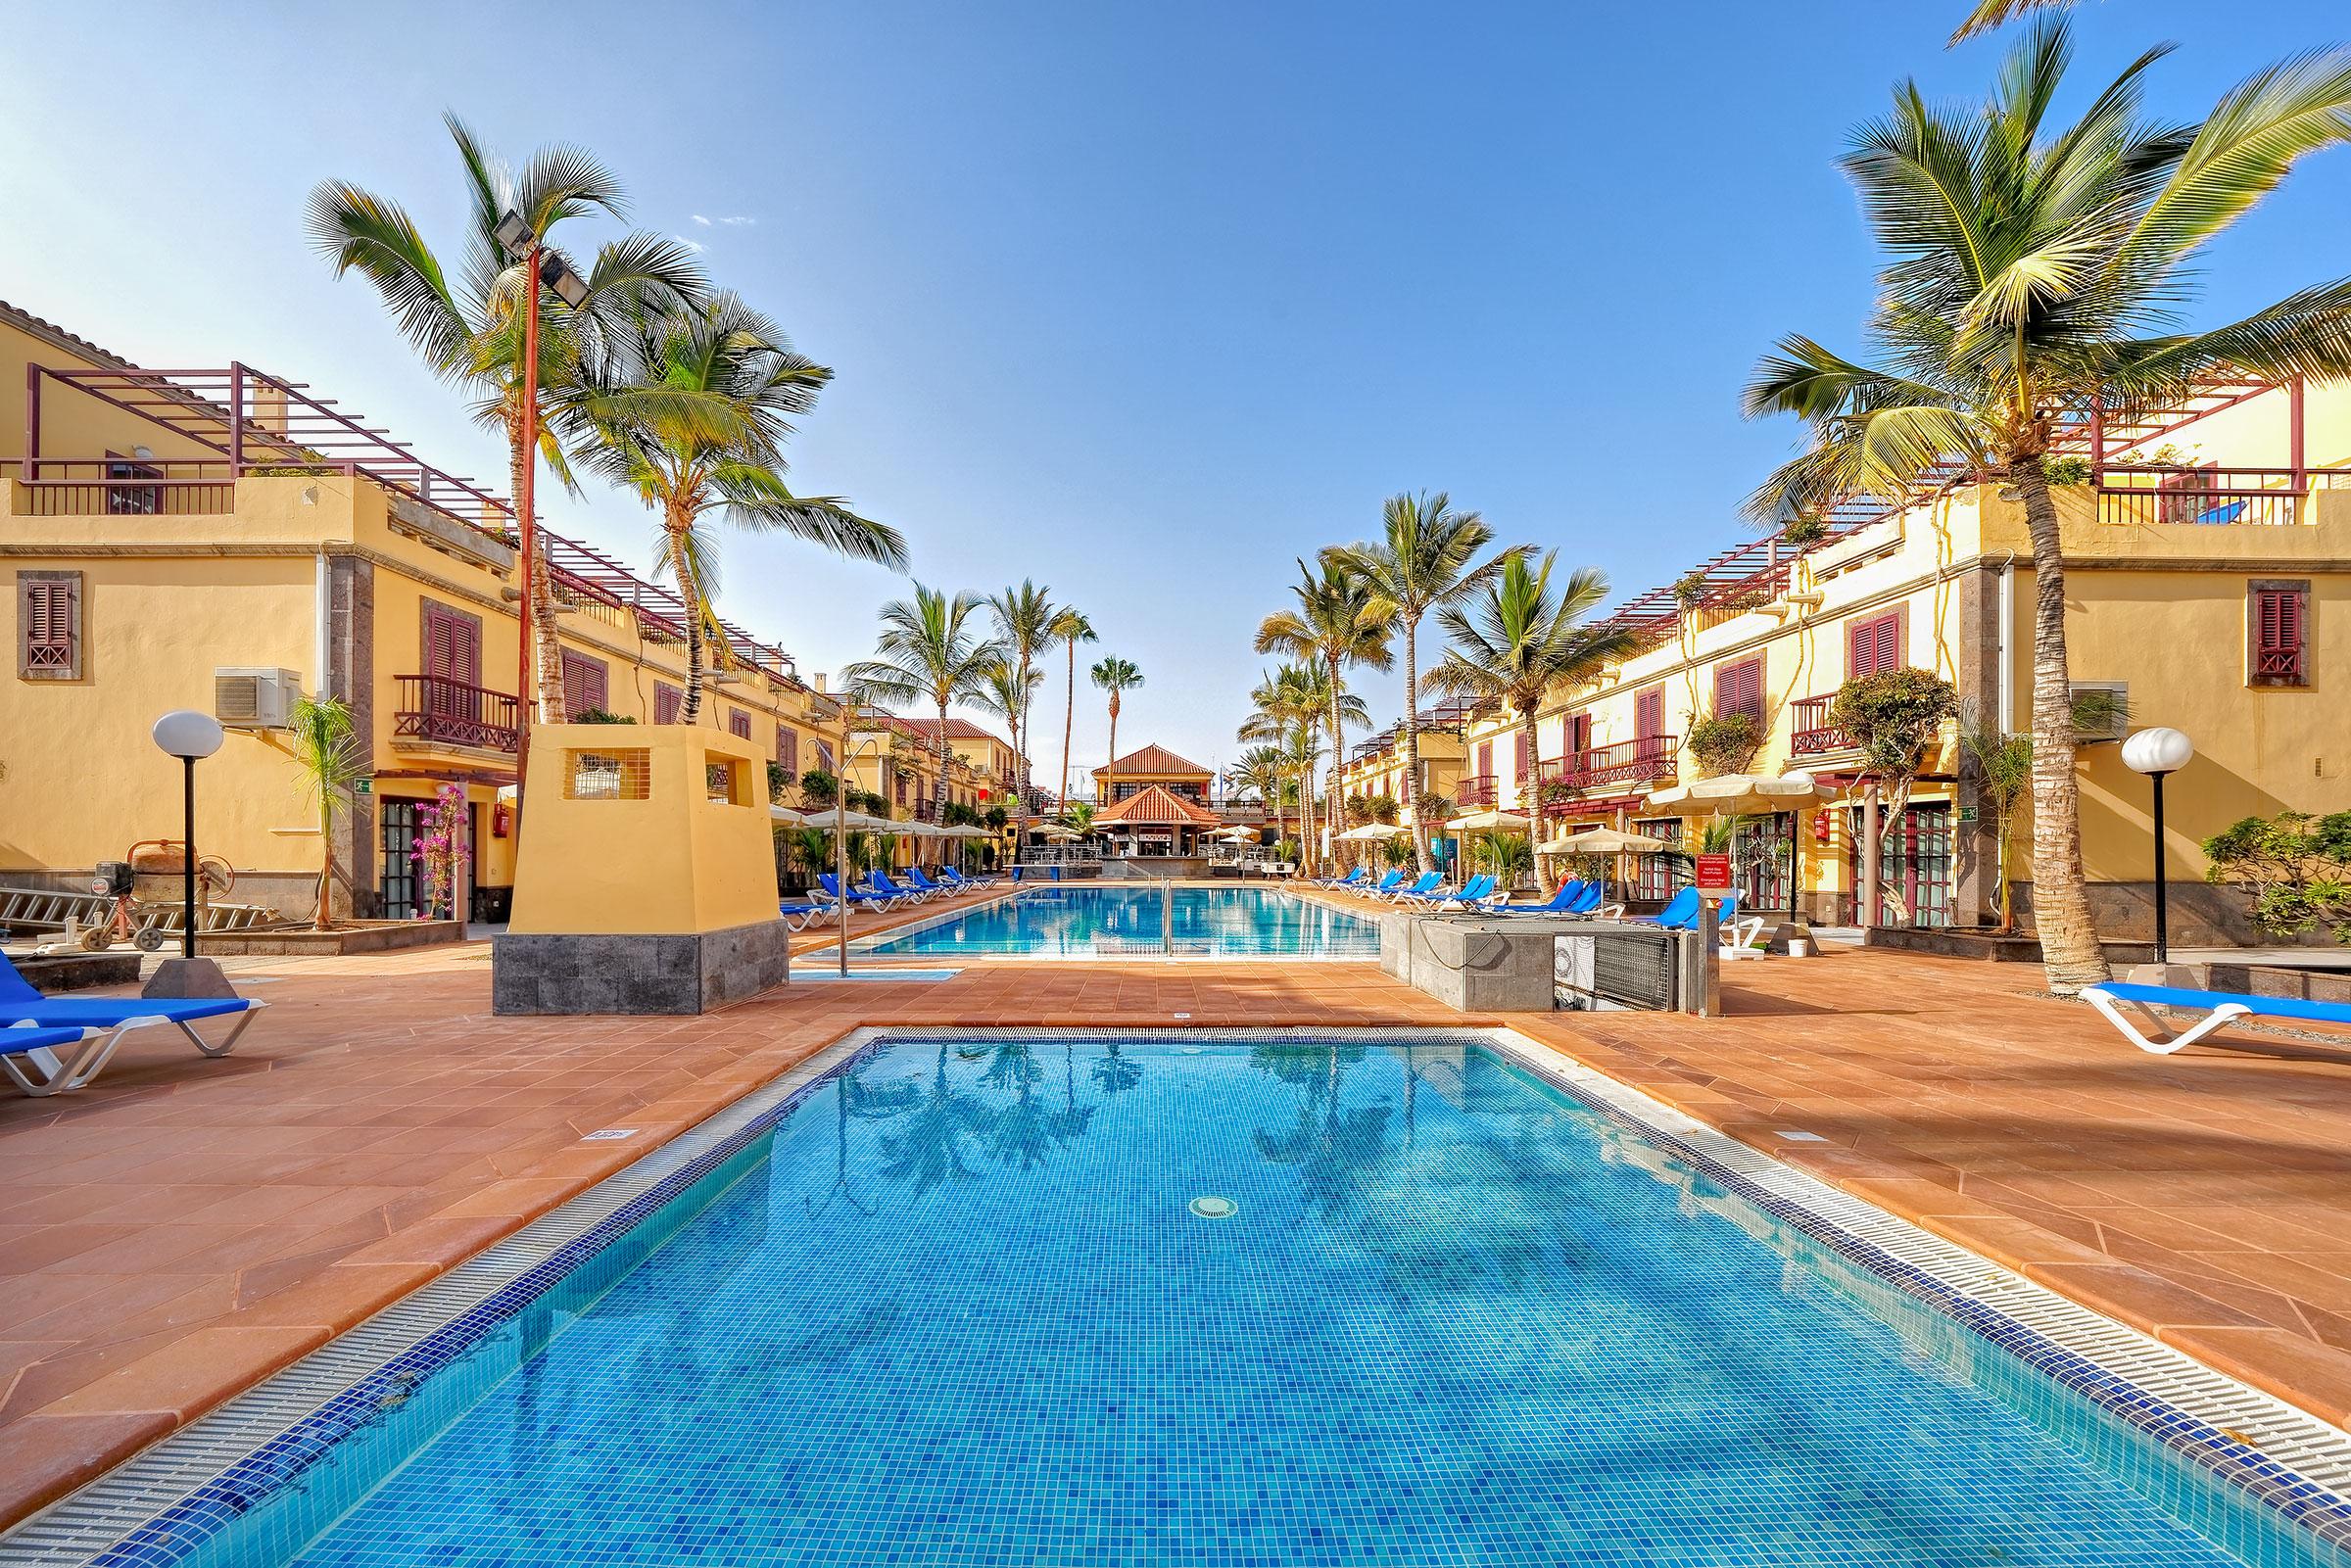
(1892, 716)
(598, 716)
(1723, 743)
(2296, 867)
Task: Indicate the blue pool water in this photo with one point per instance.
(1109, 920)
(961, 1307)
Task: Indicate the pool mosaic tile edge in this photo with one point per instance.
(164, 1505)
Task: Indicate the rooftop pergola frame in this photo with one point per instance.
(247, 421)
(1757, 571)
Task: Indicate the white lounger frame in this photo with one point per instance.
(2159, 1038)
(58, 1074)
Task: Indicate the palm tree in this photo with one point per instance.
(1115, 675)
(324, 741)
(1329, 627)
(1259, 772)
(2035, 274)
(1006, 689)
(928, 650)
(1521, 641)
(468, 327)
(1072, 628)
(1426, 560)
(1025, 620)
(707, 394)
(1281, 705)
(1990, 16)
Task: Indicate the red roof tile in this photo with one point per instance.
(1155, 760)
(1157, 806)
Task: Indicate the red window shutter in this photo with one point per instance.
(824, 756)
(741, 723)
(668, 702)
(585, 686)
(788, 747)
(1525, 758)
(48, 625)
(1738, 689)
(439, 643)
(1649, 714)
(2279, 633)
(1890, 635)
(1485, 759)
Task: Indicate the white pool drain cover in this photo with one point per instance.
(1214, 1208)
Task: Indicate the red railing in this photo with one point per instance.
(2203, 497)
(1810, 730)
(113, 487)
(1636, 761)
(1477, 789)
(451, 713)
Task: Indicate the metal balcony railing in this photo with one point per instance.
(1810, 733)
(1478, 789)
(1636, 761)
(2203, 497)
(452, 713)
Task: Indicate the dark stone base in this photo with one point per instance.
(80, 972)
(186, 979)
(637, 975)
(1952, 942)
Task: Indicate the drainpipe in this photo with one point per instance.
(321, 628)
(2000, 641)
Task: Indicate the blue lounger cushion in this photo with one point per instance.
(2220, 1009)
(110, 1017)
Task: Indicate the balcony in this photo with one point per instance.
(2205, 497)
(1810, 734)
(101, 487)
(1477, 790)
(1640, 760)
(438, 712)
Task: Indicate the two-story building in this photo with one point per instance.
(229, 540)
(2208, 582)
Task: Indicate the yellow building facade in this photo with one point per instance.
(228, 542)
(2208, 584)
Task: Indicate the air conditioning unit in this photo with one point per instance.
(2102, 711)
(255, 698)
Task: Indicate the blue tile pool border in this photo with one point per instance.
(161, 1508)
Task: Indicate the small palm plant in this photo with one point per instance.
(329, 760)
(2003, 763)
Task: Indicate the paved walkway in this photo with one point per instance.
(186, 1226)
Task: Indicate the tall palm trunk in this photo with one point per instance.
(546, 653)
(2070, 954)
(938, 793)
(1531, 793)
(1068, 718)
(681, 570)
(1412, 745)
(1110, 777)
(1338, 751)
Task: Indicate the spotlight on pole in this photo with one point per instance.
(2156, 753)
(191, 737)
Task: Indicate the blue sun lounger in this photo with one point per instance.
(1385, 885)
(2220, 1009)
(1568, 900)
(884, 902)
(1353, 878)
(112, 1018)
(1428, 884)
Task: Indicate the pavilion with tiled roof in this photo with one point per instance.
(1151, 767)
(1157, 813)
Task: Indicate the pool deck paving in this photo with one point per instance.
(185, 1227)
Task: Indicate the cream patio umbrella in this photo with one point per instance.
(1370, 833)
(785, 814)
(1605, 841)
(1488, 821)
(1740, 795)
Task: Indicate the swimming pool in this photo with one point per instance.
(1147, 920)
(1184, 1298)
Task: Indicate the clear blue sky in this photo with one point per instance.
(1138, 299)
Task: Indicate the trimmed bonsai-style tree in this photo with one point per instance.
(1723, 743)
(1891, 716)
(2296, 867)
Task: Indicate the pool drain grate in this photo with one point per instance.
(1214, 1208)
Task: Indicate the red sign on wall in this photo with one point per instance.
(1713, 874)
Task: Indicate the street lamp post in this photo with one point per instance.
(189, 736)
(544, 267)
(2156, 753)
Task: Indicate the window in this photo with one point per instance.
(1648, 712)
(1875, 646)
(2277, 633)
(667, 701)
(621, 775)
(1738, 689)
(724, 781)
(1522, 761)
(49, 626)
(739, 722)
(1579, 734)
(396, 859)
(133, 500)
(587, 684)
(453, 645)
(824, 756)
(787, 749)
